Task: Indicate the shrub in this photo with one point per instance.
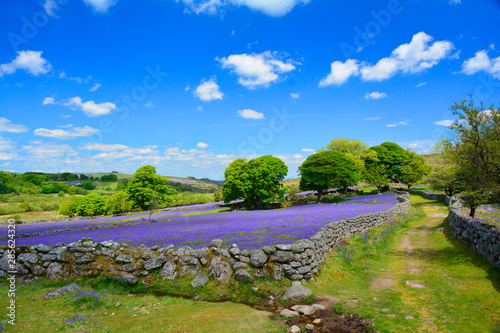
(17, 217)
(70, 207)
(91, 205)
(61, 194)
(118, 203)
(26, 207)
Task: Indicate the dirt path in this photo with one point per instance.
(424, 281)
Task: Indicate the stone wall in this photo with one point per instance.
(482, 238)
(145, 265)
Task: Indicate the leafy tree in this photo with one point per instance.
(391, 155)
(218, 196)
(70, 207)
(34, 178)
(72, 189)
(413, 168)
(147, 186)
(61, 194)
(47, 189)
(118, 203)
(474, 150)
(109, 178)
(376, 174)
(327, 169)
(88, 186)
(256, 181)
(92, 204)
(447, 179)
(83, 176)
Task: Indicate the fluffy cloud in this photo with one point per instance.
(208, 91)
(269, 7)
(29, 61)
(446, 123)
(202, 145)
(376, 95)
(48, 100)
(307, 150)
(256, 70)
(411, 58)
(421, 84)
(340, 72)
(250, 114)
(100, 6)
(43, 150)
(7, 126)
(482, 62)
(404, 122)
(294, 95)
(90, 108)
(67, 134)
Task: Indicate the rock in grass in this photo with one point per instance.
(243, 275)
(297, 293)
(305, 310)
(294, 329)
(200, 280)
(168, 272)
(124, 277)
(148, 281)
(216, 243)
(289, 314)
(258, 258)
(55, 271)
(220, 270)
(70, 288)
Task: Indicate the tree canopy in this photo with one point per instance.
(413, 168)
(147, 187)
(327, 169)
(255, 181)
(391, 155)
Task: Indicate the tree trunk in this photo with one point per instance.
(320, 194)
(409, 185)
(472, 211)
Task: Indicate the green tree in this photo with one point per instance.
(92, 204)
(413, 168)
(391, 155)
(109, 178)
(146, 186)
(88, 186)
(447, 179)
(474, 150)
(376, 174)
(256, 181)
(118, 203)
(61, 194)
(69, 207)
(327, 169)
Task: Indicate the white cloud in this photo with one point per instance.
(66, 134)
(298, 156)
(340, 72)
(294, 95)
(65, 116)
(42, 150)
(65, 126)
(208, 91)
(404, 122)
(202, 145)
(446, 123)
(455, 2)
(307, 150)
(482, 62)
(7, 126)
(257, 70)
(51, 8)
(90, 108)
(372, 118)
(103, 147)
(29, 61)
(62, 75)
(411, 58)
(149, 104)
(250, 114)
(95, 86)
(48, 100)
(376, 95)
(421, 84)
(270, 7)
(100, 6)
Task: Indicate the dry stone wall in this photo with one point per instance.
(146, 265)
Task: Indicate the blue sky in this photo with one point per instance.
(189, 86)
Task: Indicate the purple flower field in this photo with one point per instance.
(248, 229)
